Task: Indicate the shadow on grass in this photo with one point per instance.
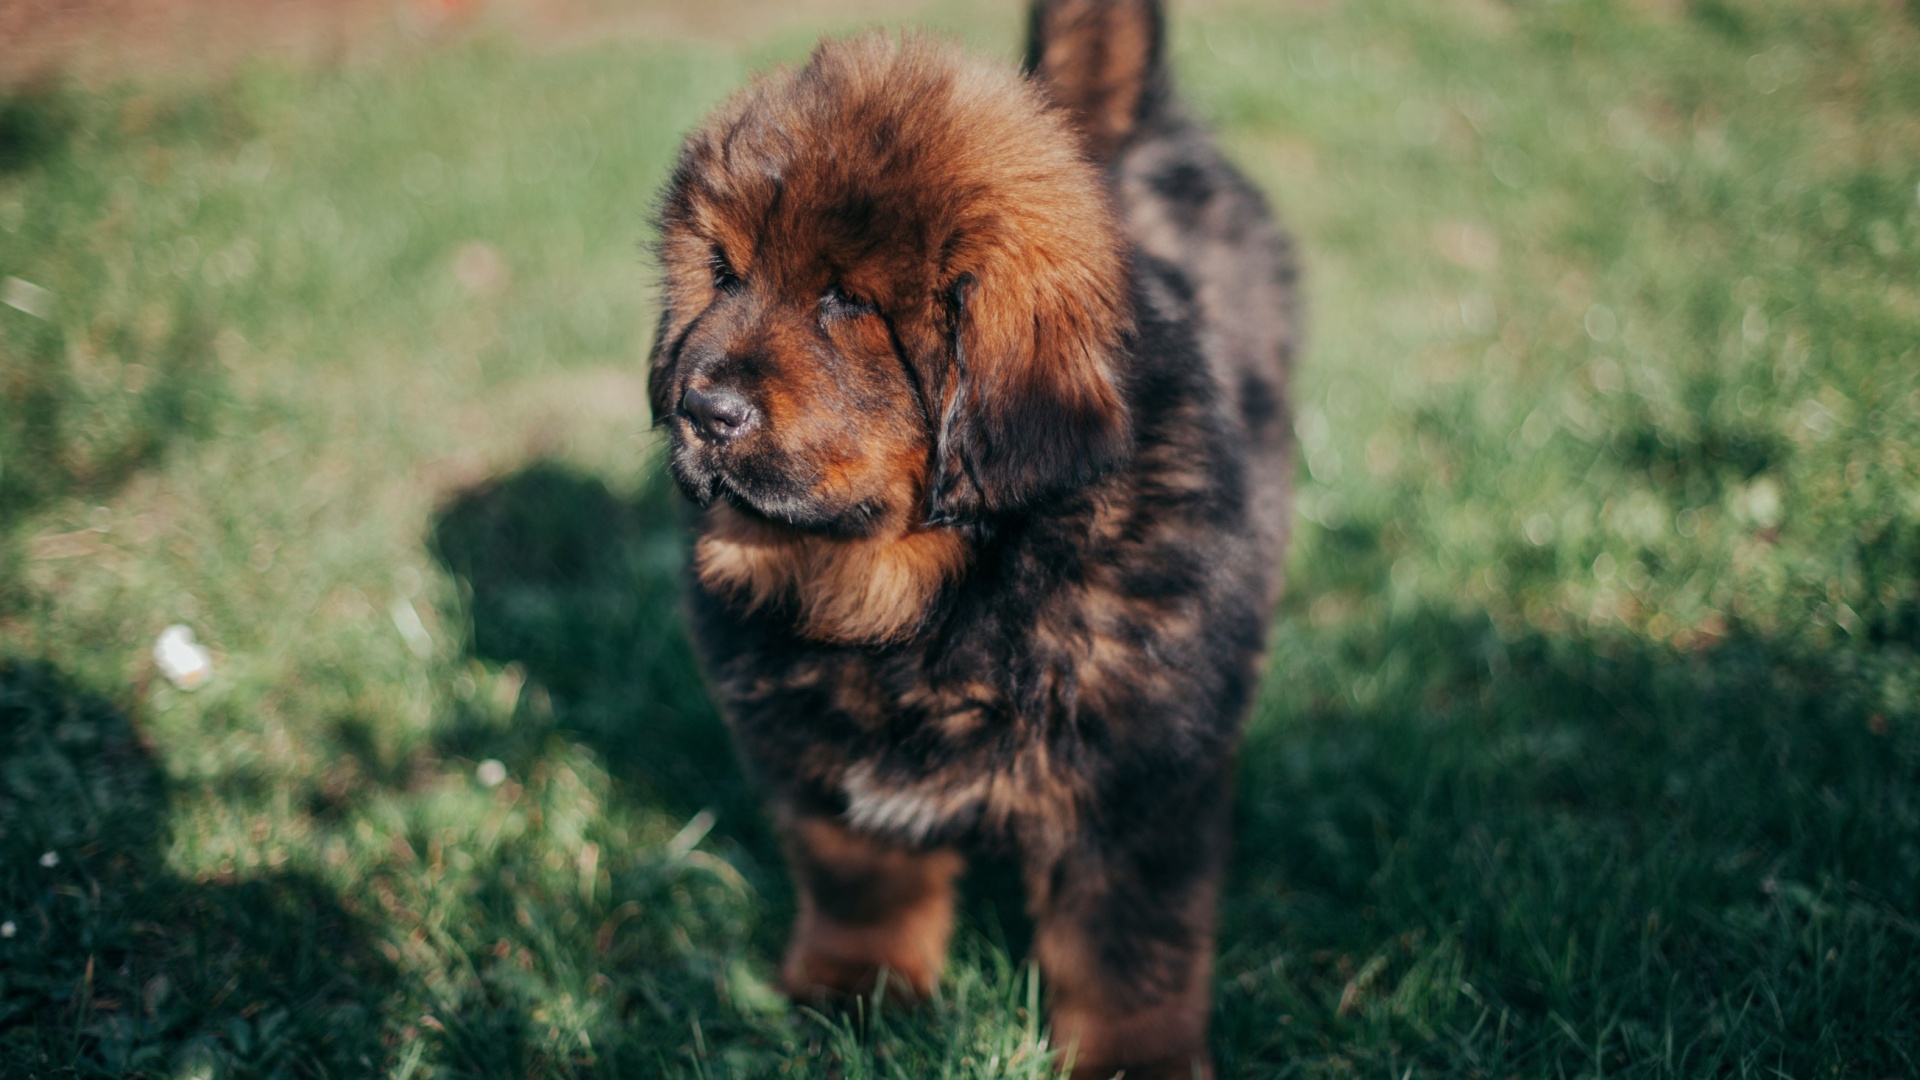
(1468, 845)
(33, 126)
(1463, 845)
(581, 588)
(112, 965)
(572, 593)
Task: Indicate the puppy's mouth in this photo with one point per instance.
(729, 491)
(766, 491)
(701, 475)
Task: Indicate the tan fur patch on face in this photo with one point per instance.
(860, 590)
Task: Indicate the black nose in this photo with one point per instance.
(719, 412)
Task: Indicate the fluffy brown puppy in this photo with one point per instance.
(980, 379)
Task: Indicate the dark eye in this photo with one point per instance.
(836, 303)
(724, 278)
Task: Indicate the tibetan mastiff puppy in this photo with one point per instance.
(981, 379)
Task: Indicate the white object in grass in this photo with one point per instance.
(22, 295)
(690, 835)
(490, 773)
(186, 664)
(412, 630)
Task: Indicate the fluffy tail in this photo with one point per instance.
(1101, 60)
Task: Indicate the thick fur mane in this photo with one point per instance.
(864, 590)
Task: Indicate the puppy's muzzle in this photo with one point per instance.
(718, 413)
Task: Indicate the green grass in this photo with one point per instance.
(1591, 743)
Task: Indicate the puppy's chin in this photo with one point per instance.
(799, 515)
(773, 501)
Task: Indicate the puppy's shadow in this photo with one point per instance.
(578, 589)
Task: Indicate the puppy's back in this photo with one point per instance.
(1188, 209)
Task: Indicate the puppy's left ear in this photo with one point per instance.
(1032, 405)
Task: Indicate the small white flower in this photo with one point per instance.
(7, 929)
(50, 860)
(490, 773)
(185, 664)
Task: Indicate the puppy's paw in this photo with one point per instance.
(1167, 1041)
(831, 963)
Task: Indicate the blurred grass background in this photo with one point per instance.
(1591, 743)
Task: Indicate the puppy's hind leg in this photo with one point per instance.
(865, 907)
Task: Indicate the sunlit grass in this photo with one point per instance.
(1592, 736)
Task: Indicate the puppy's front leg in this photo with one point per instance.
(865, 906)
(1124, 935)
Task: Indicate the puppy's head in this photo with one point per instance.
(894, 296)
